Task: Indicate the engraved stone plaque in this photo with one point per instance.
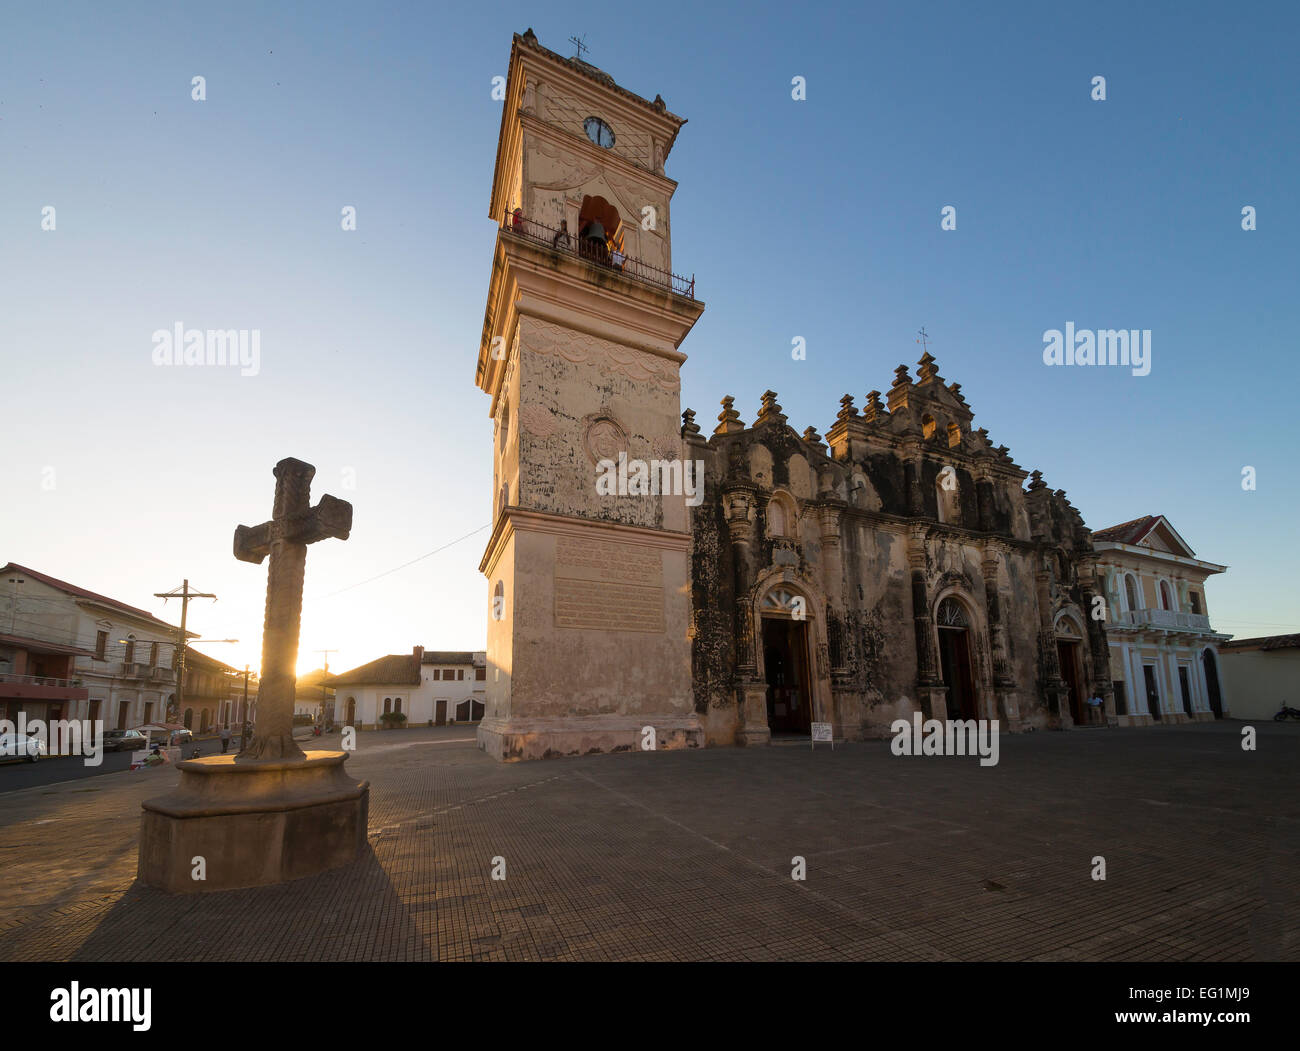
(612, 586)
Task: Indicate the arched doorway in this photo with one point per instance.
(599, 229)
(953, 624)
(787, 668)
(352, 712)
(189, 718)
(1211, 668)
(1069, 654)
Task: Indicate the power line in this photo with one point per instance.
(387, 572)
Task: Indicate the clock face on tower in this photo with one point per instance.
(599, 132)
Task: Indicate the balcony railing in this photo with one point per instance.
(1162, 618)
(39, 680)
(599, 253)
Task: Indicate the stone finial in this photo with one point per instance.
(874, 408)
(898, 392)
(529, 36)
(690, 429)
(729, 421)
(1036, 480)
(847, 411)
(955, 390)
(812, 437)
(928, 370)
(770, 411)
(659, 104)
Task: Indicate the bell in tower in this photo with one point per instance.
(589, 583)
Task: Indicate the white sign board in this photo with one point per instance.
(822, 732)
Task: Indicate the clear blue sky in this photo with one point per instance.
(817, 219)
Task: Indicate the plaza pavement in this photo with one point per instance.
(687, 856)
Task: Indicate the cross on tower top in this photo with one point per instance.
(924, 340)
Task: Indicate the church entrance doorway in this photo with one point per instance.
(1067, 653)
(955, 659)
(785, 661)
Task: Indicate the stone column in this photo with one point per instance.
(933, 694)
(751, 691)
(1057, 693)
(1004, 683)
(1097, 644)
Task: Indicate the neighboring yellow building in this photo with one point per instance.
(1262, 674)
(1163, 653)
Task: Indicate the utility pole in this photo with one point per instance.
(184, 594)
(325, 675)
(244, 711)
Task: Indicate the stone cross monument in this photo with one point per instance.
(273, 812)
(294, 524)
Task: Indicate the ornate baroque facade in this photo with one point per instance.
(895, 566)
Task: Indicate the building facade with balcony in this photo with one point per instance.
(1164, 655)
(112, 661)
(214, 693)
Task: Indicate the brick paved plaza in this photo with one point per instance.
(687, 856)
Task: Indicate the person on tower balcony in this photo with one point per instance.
(517, 220)
(561, 235)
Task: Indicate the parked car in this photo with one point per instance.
(123, 741)
(20, 746)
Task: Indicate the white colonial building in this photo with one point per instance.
(1163, 653)
(429, 687)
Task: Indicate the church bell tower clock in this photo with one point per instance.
(589, 585)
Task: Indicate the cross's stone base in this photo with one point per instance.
(252, 822)
(509, 740)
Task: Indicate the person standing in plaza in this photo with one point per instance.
(225, 738)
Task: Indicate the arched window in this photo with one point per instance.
(600, 232)
(503, 432)
(499, 601)
(775, 519)
(388, 705)
(951, 614)
(927, 426)
(1165, 601)
(954, 435)
(1130, 591)
(397, 705)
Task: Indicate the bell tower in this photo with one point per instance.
(589, 585)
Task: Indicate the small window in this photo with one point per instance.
(153, 655)
(437, 674)
(927, 426)
(101, 644)
(1195, 599)
(480, 674)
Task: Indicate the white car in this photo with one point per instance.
(18, 746)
